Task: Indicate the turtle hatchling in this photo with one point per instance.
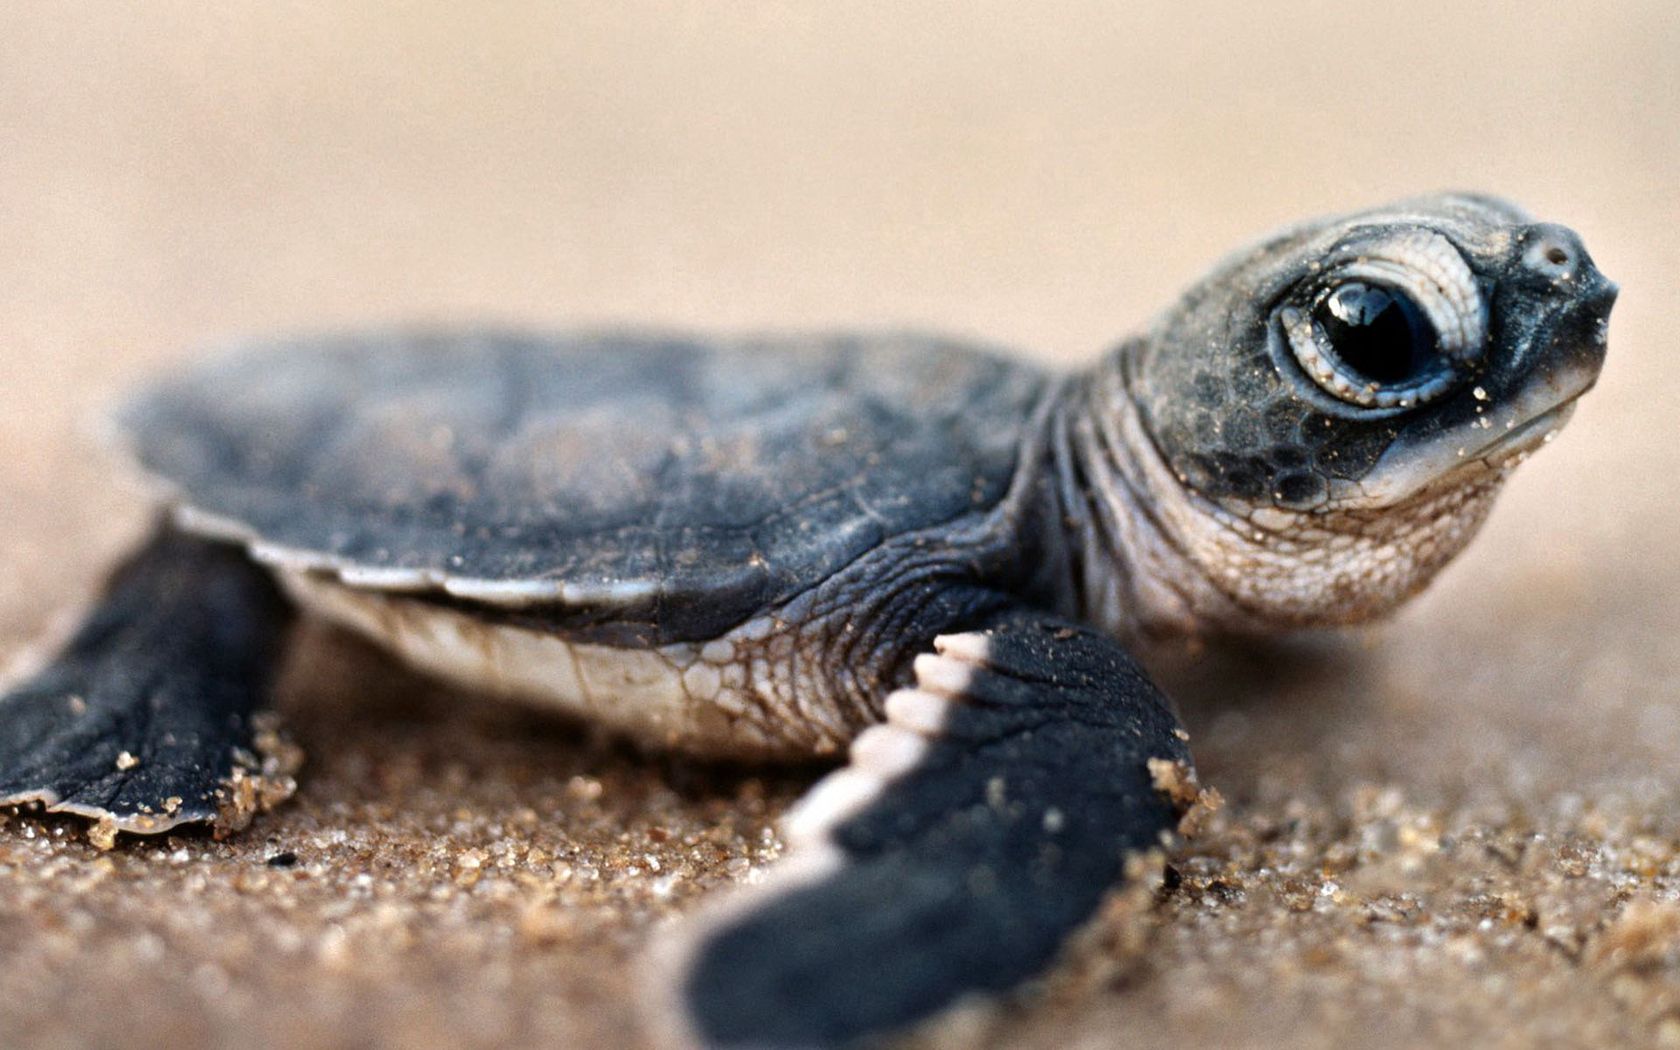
(926, 558)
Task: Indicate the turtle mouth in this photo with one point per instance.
(1522, 438)
(1495, 439)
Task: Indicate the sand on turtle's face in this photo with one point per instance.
(1460, 828)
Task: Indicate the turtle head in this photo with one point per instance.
(1347, 395)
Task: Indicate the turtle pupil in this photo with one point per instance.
(1379, 334)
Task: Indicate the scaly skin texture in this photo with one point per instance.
(1214, 485)
(1159, 559)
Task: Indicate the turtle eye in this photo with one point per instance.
(1371, 346)
(1378, 334)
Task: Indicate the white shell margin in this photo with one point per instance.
(503, 593)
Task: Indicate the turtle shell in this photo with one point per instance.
(673, 484)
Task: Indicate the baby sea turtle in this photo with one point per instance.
(921, 550)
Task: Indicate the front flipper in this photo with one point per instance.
(969, 836)
(145, 715)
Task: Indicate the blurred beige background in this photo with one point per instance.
(1046, 175)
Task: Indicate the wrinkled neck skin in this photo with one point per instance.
(1152, 559)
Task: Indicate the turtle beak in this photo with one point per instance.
(1570, 299)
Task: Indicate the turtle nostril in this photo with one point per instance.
(1553, 251)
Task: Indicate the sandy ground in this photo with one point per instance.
(1457, 828)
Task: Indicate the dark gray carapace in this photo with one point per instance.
(649, 488)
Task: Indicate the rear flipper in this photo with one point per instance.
(969, 836)
(144, 720)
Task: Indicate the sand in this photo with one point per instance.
(1457, 828)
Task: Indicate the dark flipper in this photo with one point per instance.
(138, 721)
(970, 835)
